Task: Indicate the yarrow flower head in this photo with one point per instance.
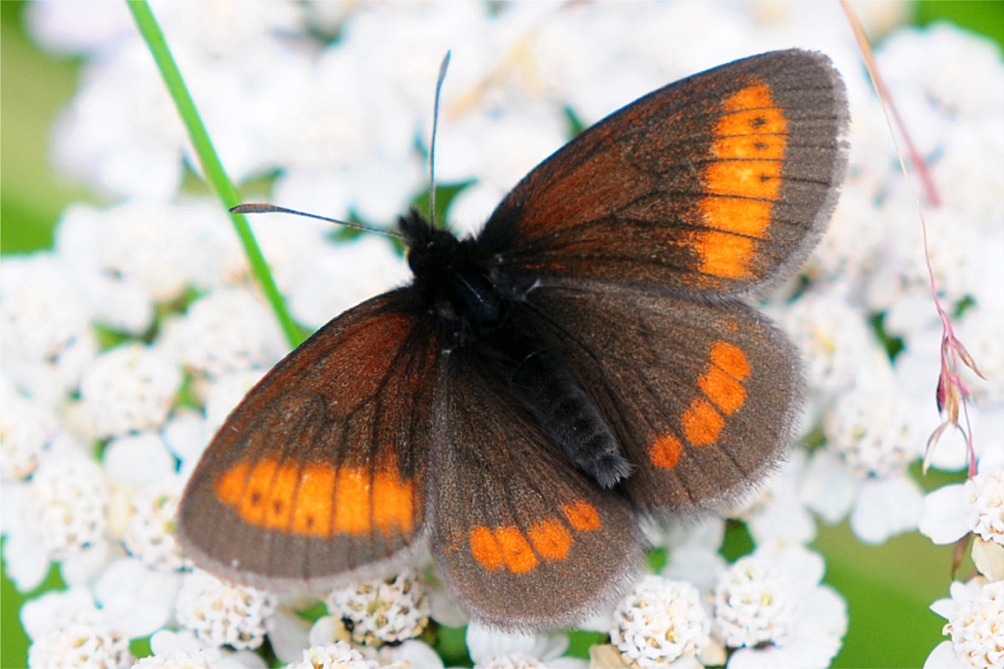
(862, 470)
(658, 622)
(337, 655)
(80, 642)
(26, 430)
(150, 532)
(977, 505)
(985, 495)
(70, 495)
(172, 650)
(47, 338)
(222, 614)
(495, 649)
(227, 331)
(383, 611)
(754, 605)
(770, 610)
(975, 614)
(129, 388)
(67, 630)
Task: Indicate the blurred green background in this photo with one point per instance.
(888, 588)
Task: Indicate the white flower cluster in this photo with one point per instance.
(384, 611)
(125, 346)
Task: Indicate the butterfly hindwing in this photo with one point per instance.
(522, 538)
(712, 185)
(320, 474)
(701, 397)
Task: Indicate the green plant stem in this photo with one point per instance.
(211, 165)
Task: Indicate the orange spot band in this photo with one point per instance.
(583, 516)
(665, 452)
(550, 539)
(702, 423)
(319, 500)
(741, 182)
(726, 393)
(725, 255)
(731, 359)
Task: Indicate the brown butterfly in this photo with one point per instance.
(585, 360)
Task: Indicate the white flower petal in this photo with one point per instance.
(943, 514)
(886, 508)
(829, 487)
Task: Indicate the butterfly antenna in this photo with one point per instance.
(432, 145)
(266, 208)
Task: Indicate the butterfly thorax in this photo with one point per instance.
(479, 308)
(455, 280)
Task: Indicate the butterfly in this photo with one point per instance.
(587, 360)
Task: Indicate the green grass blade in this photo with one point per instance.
(211, 165)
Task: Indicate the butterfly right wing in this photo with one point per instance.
(712, 185)
(320, 475)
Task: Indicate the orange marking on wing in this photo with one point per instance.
(583, 516)
(731, 359)
(551, 539)
(751, 111)
(749, 97)
(230, 487)
(749, 147)
(516, 550)
(665, 452)
(393, 502)
(279, 498)
(251, 506)
(724, 254)
(722, 389)
(702, 423)
(366, 501)
(352, 501)
(759, 179)
(312, 511)
(743, 217)
(742, 181)
(485, 548)
(319, 500)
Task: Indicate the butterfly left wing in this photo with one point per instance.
(701, 396)
(320, 474)
(523, 539)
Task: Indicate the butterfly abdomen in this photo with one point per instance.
(568, 415)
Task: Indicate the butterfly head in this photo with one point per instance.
(429, 248)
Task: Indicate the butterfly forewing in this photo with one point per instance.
(522, 538)
(320, 473)
(713, 184)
